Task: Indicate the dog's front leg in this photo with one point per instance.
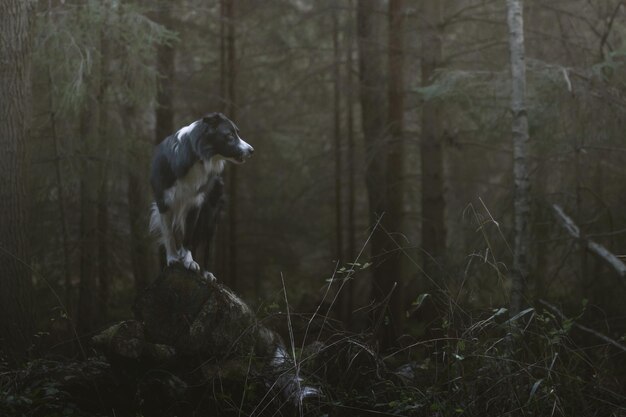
(174, 250)
(183, 254)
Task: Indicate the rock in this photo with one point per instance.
(198, 317)
(125, 339)
(225, 326)
(169, 305)
(185, 322)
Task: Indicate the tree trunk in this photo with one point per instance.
(221, 250)
(346, 297)
(165, 68)
(142, 249)
(86, 313)
(350, 133)
(16, 289)
(337, 137)
(228, 84)
(140, 243)
(433, 203)
(391, 269)
(372, 95)
(67, 270)
(87, 133)
(519, 273)
(103, 193)
(164, 111)
(141, 254)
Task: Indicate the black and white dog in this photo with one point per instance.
(185, 177)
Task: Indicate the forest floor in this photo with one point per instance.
(483, 363)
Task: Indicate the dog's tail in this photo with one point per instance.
(155, 219)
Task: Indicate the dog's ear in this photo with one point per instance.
(213, 119)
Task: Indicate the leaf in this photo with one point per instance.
(417, 303)
(567, 325)
(461, 345)
(432, 91)
(518, 315)
(533, 390)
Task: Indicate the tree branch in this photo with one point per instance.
(583, 328)
(593, 247)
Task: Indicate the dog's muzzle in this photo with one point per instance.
(246, 151)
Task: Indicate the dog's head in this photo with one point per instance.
(220, 136)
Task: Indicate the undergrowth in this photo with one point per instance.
(486, 365)
(468, 362)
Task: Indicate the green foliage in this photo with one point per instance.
(69, 45)
(50, 388)
(611, 65)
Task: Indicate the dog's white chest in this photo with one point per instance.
(185, 193)
(190, 184)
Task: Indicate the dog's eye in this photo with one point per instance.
(231, 137)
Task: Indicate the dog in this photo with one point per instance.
(187, 186)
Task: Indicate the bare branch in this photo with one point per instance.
(583, 328)
(593, 247)
(609, 27)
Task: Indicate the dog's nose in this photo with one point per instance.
(251, 150)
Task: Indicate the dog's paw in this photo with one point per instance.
(209, 276)
(187, 260)
(192, 265)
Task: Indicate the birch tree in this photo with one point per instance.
(520, 137)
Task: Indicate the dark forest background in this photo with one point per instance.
(381, 195)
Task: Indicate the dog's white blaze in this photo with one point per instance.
(184, 130)
(244, 146)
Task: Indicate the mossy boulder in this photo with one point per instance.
(196, 316)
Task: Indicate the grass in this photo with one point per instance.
(469, 369)
(468, 361)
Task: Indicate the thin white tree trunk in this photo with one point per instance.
(519, 272)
